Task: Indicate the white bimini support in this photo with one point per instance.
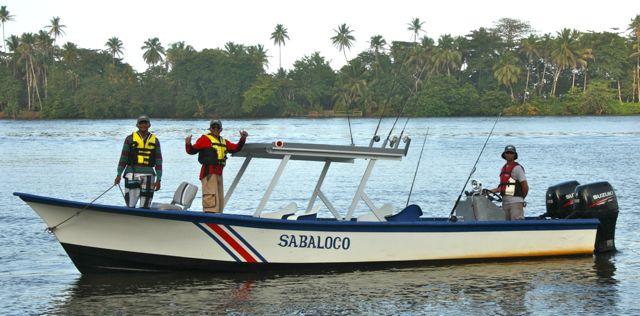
(321, 153)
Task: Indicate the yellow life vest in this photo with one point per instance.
(143, 152)
(220, 147)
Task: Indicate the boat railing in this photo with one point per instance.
(316, 152)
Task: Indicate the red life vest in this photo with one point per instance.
(508, 185)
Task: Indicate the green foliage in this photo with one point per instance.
(11, 87)
(491, 102)
(599, 99)
(444, 96)
(485, 72)
(313, 82)
(261, 99)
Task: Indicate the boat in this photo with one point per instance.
(580, 220)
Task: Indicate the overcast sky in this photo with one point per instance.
(210, 24)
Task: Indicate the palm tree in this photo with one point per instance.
(585, 56)
(153, 51)
(176, 52)
(4, 17)
(69, 53)
(507, 72)
(259, 55)
(352, 86)
(234, 49)
(529, 48)
(544, 47)
(343, 39)
(417, 62)
(634, 27)
(44, 56)
(56, 29)
(377, 43)
(415, 26)
(26, 50)
(278, 36)
(12, 44)
(114, 47)
(565, 55)
(446, 57)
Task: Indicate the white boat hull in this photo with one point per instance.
(107, 238)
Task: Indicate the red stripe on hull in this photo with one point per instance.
(245, 255)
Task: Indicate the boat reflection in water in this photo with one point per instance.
(569, 285)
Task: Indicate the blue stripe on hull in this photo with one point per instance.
(246, 243)
(90, 260)
(423, 225)
(214, 237)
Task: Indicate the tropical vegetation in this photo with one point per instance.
(505, 68)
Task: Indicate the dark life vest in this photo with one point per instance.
(508, 185)
(142, 152)
(216, 154)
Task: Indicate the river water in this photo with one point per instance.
(76, 159)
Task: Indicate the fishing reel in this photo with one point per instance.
(395, 141)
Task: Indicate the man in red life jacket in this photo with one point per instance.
(212, 152)
(513, 185)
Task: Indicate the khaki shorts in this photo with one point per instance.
(513, 211)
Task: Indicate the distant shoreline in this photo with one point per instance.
(35, 116)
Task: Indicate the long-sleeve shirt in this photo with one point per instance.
(205, 143)
(123, 163)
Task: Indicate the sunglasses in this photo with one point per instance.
(509, 152)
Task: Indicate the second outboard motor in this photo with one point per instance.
(560, 198)
(598, 200)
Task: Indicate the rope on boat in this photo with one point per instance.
(53, 228)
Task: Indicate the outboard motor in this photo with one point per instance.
(560, 198)
(598, 200)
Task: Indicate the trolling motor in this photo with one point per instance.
(594, 200)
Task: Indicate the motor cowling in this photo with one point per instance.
(598, 200)
(560, 199)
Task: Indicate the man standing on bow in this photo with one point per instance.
(513, 185)
(212, 152)
(140, 155)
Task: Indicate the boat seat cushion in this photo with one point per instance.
(309, 215)
(185, 194)
(410, 213)
(377, 215)
(182, 198)
(285, 212)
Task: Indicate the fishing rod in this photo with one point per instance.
(349, 122)
(395, 121)
(417, 166)
(402, 131)
(375, 137)
(451, 216)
